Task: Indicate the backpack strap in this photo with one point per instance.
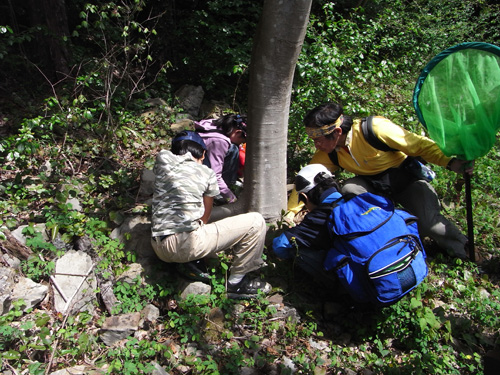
(371, 137)
(334, 158)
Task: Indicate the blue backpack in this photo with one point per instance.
(377, 252)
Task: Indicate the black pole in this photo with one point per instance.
(470, 224)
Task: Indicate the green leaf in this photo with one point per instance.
(11, 355)
(415, 304)
(42, 321)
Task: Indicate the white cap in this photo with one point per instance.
(304, 181)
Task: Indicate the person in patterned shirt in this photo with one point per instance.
(182, 203)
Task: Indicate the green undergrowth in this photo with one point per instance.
(444, 327)
(77, 149)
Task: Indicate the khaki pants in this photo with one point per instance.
(420, 199)
(244, 233)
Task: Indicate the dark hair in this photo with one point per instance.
(184, 146)
(324, 182)
(228, 123)
(325, 114)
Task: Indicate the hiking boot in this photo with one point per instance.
(194, 270)
(460, 253)
(247, 288)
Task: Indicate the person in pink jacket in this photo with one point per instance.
(223, 137)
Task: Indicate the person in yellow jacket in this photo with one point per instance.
(341, 144)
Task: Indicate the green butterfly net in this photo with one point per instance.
(457, 98)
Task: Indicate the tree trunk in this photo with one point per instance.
(276, 48)
(13, 247)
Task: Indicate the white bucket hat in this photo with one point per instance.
(304, 181)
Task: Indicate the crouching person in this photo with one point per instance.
(309, 242)
(182, 203)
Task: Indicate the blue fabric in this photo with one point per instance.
(282, 247)
(231, 164)
(376, 251)
(312, 232)
(308, 242)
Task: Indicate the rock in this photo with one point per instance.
(150, 313)
(107, 294)
(288, 313)
(30, 292)
(190, 98)
(147, 187)
(135, 234)
(182, 124)
(156, 102)
(196, 287)
(116, 328)
(47, 168)
(75, 204)
(249, 371)
(319, 345)
(11, 260)
(158, 369)
(215, 325)
(14, 288)
(366, 371)
(74, 284)
(130, 275)
(289, 365)
(18, 233)
(276, 299)
(6, 286)
(213, 109)
(84, 243)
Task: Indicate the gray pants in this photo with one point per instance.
(421, 200)
(245, 234)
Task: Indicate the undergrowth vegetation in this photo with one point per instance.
(92, 134)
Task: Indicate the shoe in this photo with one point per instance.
(194, 270)
(247, 288)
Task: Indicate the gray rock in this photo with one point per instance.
(135, 234)
(196, 287)
(75, 204)
(11, 260)
(7, 282)
(288, 363)
(150, 313)
(190, 98)
(130, 275)
(18, 233)
(147, 183)
(288, 313)
(158, 369)
(182, 124)
(249, 371)
(74, 283)
(116, 328)
(30, 292)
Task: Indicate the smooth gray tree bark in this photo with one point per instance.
(277, 45)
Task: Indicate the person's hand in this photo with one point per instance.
(288, 219)
(461, 166)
